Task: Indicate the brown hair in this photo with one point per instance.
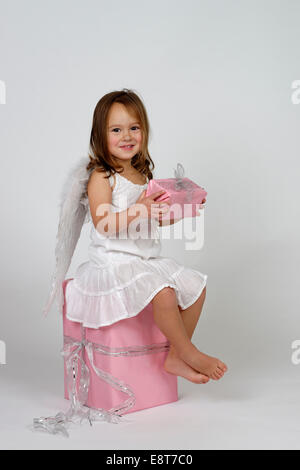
(100, 158)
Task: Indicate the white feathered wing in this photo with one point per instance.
(73, 214)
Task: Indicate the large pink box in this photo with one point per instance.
(144, 373)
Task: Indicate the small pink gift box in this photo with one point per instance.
(185, 195)
(140, 369)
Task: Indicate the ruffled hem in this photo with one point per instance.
(95, 308)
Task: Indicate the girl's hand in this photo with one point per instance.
(153, 209)
(201, 206)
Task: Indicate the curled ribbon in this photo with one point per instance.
(180, 184)
(73, 352)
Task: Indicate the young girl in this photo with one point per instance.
(124, 274)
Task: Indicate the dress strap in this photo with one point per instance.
(110, 179)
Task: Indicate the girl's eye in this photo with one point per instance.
(117, 128)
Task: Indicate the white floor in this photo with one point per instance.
(244, 410)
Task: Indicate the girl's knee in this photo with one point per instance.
(203, 295)
(166, 297)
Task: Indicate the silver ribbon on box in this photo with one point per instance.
(181, 185)
(73, 352)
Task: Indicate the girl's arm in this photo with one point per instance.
(106, 222)
(168, 222)
(173, 221)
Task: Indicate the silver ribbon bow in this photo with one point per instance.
(180, 184)
(73, 352)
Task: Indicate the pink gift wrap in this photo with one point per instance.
(183, 205)
(144, 374)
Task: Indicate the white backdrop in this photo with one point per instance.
(216, 79)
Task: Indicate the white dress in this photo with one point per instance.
(123, 275)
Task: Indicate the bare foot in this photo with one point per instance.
(175, 365)
(208, 365)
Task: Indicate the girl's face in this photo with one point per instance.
(123, 129)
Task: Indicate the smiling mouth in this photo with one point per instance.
(126, 146)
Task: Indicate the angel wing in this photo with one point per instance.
(73, 214)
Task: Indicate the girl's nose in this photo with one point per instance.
(126, 133)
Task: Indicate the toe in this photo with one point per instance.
(215, 376)
(222, 366)
(201, 379)
(218, 374)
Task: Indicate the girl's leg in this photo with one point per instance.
(190, 315)
(169, 319)
(173, 363)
